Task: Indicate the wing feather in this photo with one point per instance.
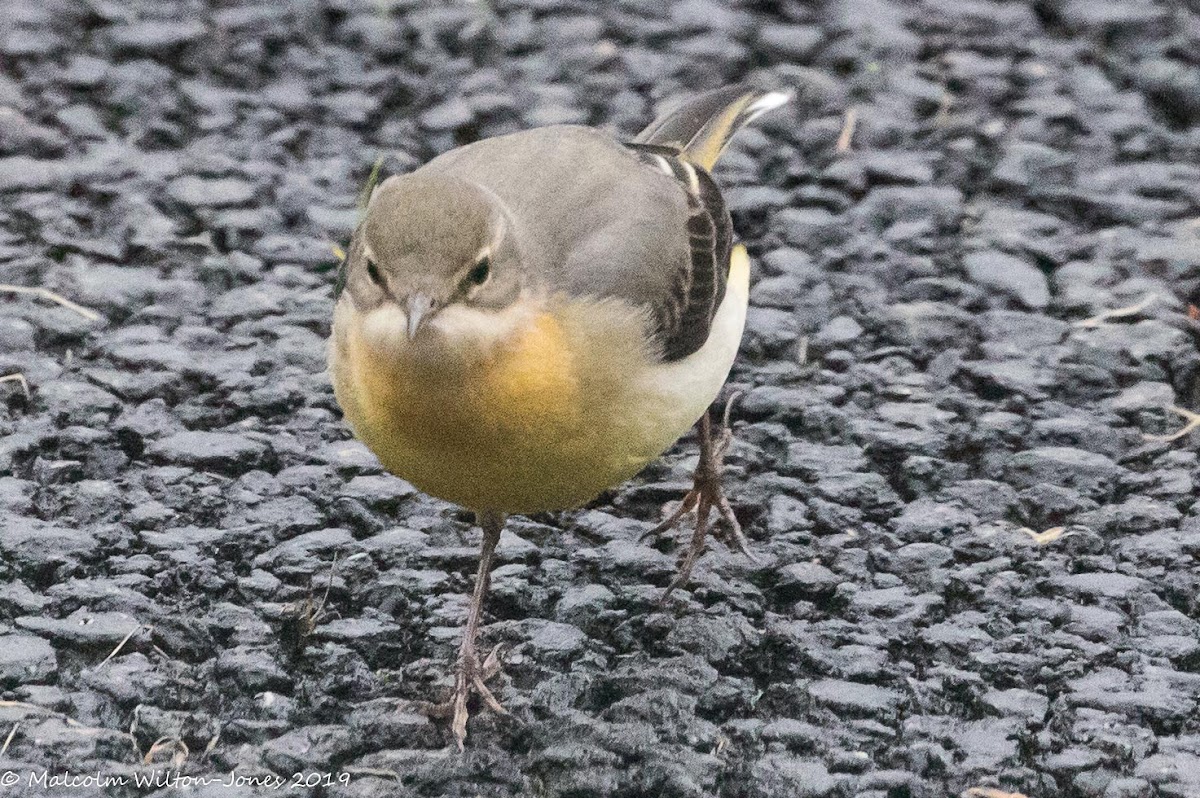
(684, 316)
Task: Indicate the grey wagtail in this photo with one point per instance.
(528, 320)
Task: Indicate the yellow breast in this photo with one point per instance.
(566, 404)
(512, 431)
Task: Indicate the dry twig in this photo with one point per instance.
(1193, 423)
(18, 377)
(121, 645)
(179, 750)
(212, 743)
(8, 740)
(303, 617)
(46, 293)
(1117, 313)
(72, 724)
(24, 705)
(848, 124)
(1049, 536)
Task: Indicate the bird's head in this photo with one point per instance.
(433, 258)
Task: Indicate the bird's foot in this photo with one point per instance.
(470, 676)
(705, 495)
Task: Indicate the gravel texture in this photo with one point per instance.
(922, 409)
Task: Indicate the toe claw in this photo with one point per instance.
(470, 675)
(686, 506)
(705, 495)
(491, 663)
(434, 710)
(676, 583)
(487, 696)
(733, 535)
(458, 726)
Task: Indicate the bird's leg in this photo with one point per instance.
(706, 494)
(470, 674)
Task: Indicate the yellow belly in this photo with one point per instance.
(566, 407)
(513, 433)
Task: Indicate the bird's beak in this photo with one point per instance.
(417, 307)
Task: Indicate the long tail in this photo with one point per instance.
(702, 126)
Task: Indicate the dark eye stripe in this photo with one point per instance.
(482, 270)
(373, 272)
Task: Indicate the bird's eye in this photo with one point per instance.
(373, 272)
(480, 271)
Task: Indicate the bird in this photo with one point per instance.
(530, 319)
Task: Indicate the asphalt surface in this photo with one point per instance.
(974, 571)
